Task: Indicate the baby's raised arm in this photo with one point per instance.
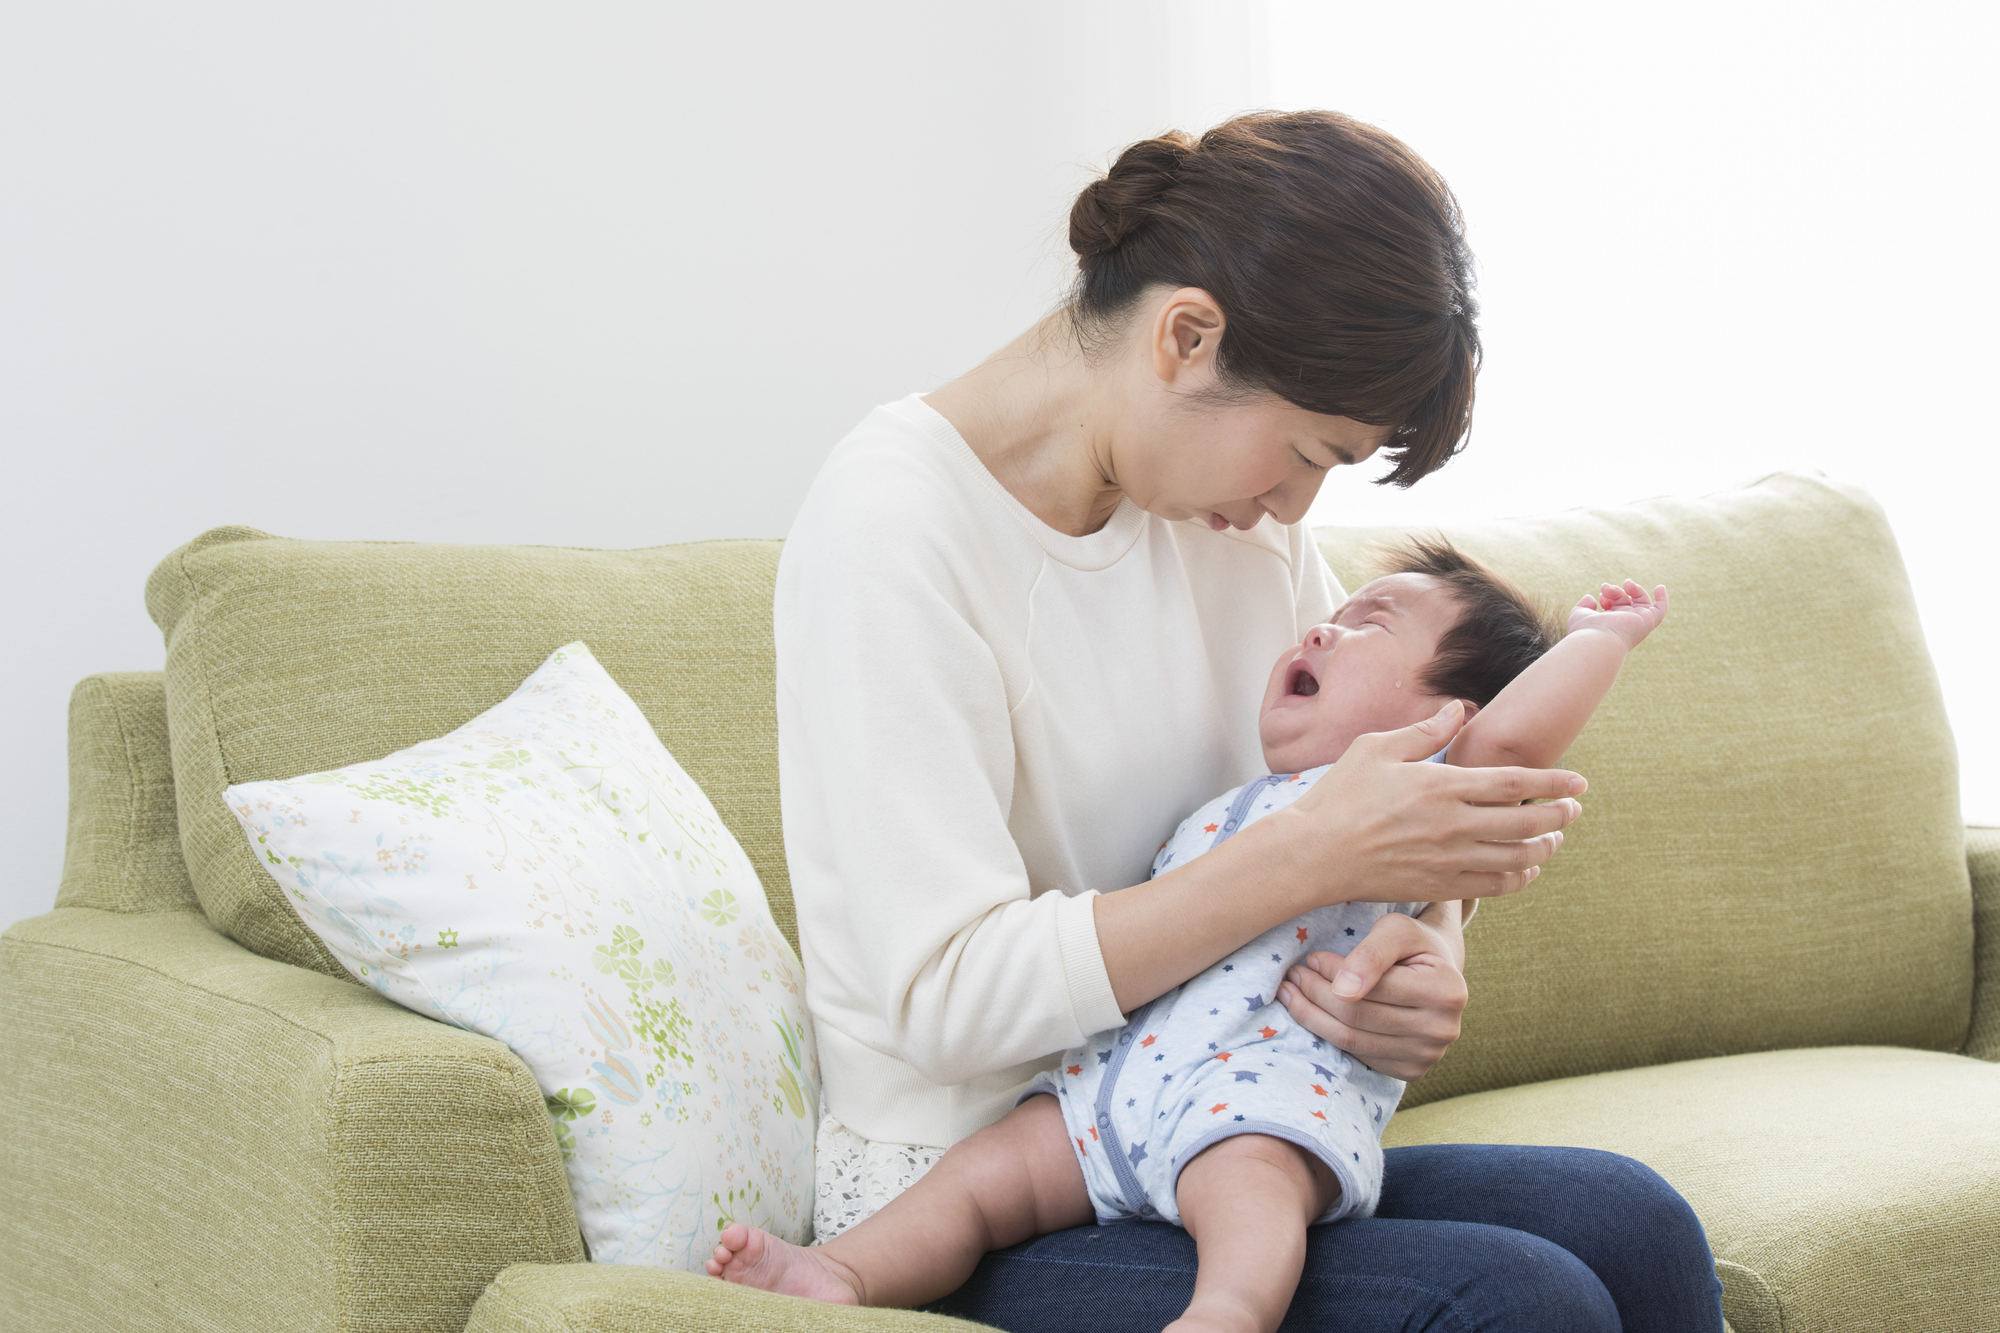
(1543, 710)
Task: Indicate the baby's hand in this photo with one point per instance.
(1624, 611)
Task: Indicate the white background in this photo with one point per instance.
(617, 275)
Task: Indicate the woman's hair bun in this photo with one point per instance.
(1112, 208)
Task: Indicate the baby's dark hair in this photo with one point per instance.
(1501, 630)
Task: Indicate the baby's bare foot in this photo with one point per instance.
(758, 1259)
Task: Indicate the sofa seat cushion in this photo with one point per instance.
(1853, 1187)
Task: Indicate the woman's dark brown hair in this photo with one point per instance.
(1337, 256)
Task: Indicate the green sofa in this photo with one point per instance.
(1767, 962)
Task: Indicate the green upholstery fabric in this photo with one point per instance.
(1771, 853)
(1982, 854)
(1852, 1188)
(124, 850)
(607, 1298)
(289, 657)
(196, 1137)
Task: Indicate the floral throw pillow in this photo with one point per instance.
(547, 875)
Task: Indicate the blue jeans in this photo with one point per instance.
(1467, 1237)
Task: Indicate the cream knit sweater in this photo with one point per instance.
(983, 723)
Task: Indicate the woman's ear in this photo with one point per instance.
(1187, 334)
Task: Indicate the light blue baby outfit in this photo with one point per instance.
(1219, 1056)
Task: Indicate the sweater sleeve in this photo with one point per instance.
(897, 769)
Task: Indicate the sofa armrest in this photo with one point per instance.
(621, 1298)
(1982, 858)
(199, 1136)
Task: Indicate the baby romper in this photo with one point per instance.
(1219, 1056)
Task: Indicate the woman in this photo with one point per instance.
(1023, 625)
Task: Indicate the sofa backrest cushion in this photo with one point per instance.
(288, 657)
(1771, 853)
(123, 853)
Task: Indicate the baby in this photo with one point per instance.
(1211, 1108)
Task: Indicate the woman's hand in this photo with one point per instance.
(1394, 1002)
(1381, 828)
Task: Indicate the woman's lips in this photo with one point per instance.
(1217, 521)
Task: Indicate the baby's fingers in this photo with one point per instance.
(1588, 603)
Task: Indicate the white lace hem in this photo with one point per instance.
(853, 1177)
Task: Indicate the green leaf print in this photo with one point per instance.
(795, 1097)
(626, 940)
(719, 908)
(571, 1103)
(729, 1202)
(509, 759)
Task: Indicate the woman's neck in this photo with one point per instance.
(1031, 412)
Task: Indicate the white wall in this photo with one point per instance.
(600, 274)
(621, 274)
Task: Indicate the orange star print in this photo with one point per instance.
(1218, 1108)
(1267, 1033)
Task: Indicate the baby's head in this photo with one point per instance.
(1437, 626)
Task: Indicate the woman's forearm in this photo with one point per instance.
(1156, 935)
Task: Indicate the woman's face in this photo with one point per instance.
(1182, 450)
(1231, 464)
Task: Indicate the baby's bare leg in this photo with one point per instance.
(1010, 1181)
(1247, 1201)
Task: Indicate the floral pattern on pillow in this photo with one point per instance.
(548, 875)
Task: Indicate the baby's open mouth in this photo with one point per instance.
(1300, 681)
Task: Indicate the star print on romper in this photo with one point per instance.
(1137, 1154)
(1247, 1076)
(1104, 1057)
(1323, 1072)
(1350, 930)
(1255, 1002)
